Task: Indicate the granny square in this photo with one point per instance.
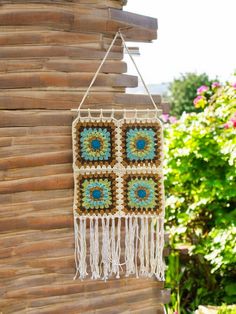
(95, 144)
(96, 193)
(141, 144)
(142, 193)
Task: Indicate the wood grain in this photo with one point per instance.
(64, 80)
(61, 65)
(18, 99)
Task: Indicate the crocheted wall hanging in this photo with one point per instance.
(118, 193)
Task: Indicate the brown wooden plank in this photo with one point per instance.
(36, 223)
(123, 308)
(35, 118)
(32, 160)
(139, 27)
(31, 140)
(13, 239)
(39, 79)
(60, 64)
(35, 206)
(137, 100)
(30, 172)
(22, 150)
(134, 19)
(97, 302)
(148, 307)
(86, 66)
(51, 99)
(5, 141)
(74, 287)
(65, 100)
(55, 51)
(41, 17)
(32, 196)
(72, 3)
(51, 182)
(126, 296)
(35, 130)
(49, 37)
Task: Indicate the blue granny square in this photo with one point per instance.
(141, 144)
(96, 144)
(96, 193)
(142, 193)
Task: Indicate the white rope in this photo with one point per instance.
(97, 72)
(118, 34)
(139, 73)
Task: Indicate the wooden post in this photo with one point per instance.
(49, 51)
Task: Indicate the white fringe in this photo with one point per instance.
(142, 255)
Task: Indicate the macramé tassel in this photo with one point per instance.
(106, 250)
(144, 243)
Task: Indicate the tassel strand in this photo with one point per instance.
(142, 255)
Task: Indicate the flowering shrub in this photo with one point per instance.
(200, 181)
(183, 92)
(202, 89)
(166, 118)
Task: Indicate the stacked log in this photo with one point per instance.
(49, 50)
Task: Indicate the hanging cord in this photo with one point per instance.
(118, 34)
(98, 70)
(136, 67)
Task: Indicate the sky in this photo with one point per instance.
(193, 36)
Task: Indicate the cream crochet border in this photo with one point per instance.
(144, 234)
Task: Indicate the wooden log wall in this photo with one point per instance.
(49, 50)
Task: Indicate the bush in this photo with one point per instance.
(200, 181)
(184, 90)
(227, 310)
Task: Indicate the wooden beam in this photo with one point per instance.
(108, 21)
(33, 160)
(28, 36)
(49, 51)
(18, 99)
(35, 118)
(46, 79)
(49, 182)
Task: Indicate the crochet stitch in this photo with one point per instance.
(118, 176)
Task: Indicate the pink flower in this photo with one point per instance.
(231, 123)
(202, 89)
(172, 119)
(197, 99)
(165, 117)
(200, 102)
(234, 85)
(233, 120)
(215, 85)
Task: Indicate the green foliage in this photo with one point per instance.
(184, 90)
(173, 279)
(227, 309)
(200, 181)
(220, 252)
